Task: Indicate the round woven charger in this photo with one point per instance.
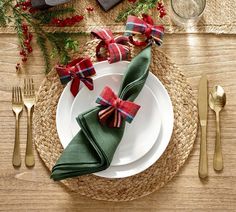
(125, 189)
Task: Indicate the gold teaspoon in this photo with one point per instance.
(217, 101)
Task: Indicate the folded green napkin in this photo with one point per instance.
(92, 149)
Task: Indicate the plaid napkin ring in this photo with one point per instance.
(116, 47)
(145, 27)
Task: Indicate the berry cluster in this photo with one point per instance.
(26, 47)
(161, 9)
(67, 22)
(90, 9)
(26, 5)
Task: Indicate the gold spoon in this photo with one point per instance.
(217, 101)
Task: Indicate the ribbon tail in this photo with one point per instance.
(75, 86)
(116, 120)
(88, 83)
(105, 114)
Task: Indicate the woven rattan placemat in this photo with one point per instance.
(219, 17)
(155, 177)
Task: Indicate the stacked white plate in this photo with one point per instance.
(144, 140)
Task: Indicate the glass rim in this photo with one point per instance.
(200, 13)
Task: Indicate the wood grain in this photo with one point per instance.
(31, 189)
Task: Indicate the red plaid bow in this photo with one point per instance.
(115, 108)
(116, 47)
(78, 70)
(145, 27)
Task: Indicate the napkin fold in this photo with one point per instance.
(92, 149)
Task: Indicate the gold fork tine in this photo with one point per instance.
(24, 86)
(21, 100)
(14, 94)
(27, 87)
(30, 87)
(17, 94)
(32, 84)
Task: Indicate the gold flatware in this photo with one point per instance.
(202, 109)
(29, 101)
(17, 107)
(217, 101)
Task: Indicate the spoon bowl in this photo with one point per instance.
(217, 98)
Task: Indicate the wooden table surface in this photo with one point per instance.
(31, 189)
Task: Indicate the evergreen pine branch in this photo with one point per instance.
(140, 7)
(61, 43)
(18, 27)
(44, 17)
(42, 44)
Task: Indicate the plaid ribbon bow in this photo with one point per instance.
(145, 27)
(80, 69)
(117, 48)
(115, 109)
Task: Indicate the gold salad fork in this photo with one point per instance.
(29, 101)
(17, 107)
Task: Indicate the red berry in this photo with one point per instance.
(24, 8)
(24, 59)
(160, 6)
(24, 27)
(29, 49)
(78, 18)
(26, 42)
(30, 36)
(162, 13)
(22, 53)
(90, 9)
(54, 20)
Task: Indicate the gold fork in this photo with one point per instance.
(17, 107)
(29, 101)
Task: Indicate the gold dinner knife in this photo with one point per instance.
(202, 109)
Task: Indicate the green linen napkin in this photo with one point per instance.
(92, 149)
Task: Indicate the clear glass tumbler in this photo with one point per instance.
(187, 12)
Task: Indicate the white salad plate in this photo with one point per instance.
(160, 97)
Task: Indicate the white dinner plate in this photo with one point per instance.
(140, 136)
(166, 116)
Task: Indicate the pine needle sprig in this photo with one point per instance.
(140, 7)
(18, 27)
(42, 45)
(60, 44)
(45, 17)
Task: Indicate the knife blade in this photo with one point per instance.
(203, 109)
